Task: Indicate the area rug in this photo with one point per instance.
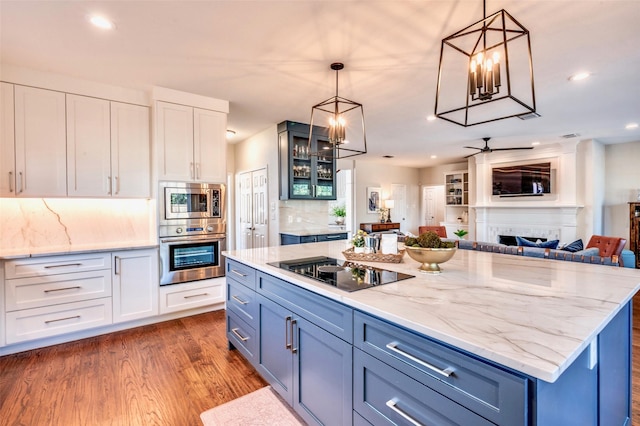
(260, 408)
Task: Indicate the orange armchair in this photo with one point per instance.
(608, 246)
(440, 230)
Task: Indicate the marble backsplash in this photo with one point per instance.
(301, 215)
(64, 224)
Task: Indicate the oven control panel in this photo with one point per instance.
(186, 229)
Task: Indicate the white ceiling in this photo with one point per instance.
(271, 60)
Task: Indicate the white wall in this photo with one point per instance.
(380, 175)
(621, 185)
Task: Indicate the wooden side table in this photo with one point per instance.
(379, 227)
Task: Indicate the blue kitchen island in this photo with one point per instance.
(494, 339)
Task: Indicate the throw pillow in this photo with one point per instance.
(573, 247)
(551, 244)
(592, 251)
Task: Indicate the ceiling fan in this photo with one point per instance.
(486, 149)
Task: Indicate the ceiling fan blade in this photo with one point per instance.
(471, 155)
(473, 147)
(509, 149)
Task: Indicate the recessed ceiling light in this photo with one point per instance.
(431, 118)
(631, 126)
(579, 76)
(434, 157)
(535, 143)
(101, 22)
(230, 134)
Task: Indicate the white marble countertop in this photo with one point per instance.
(7, 254)
(531, 315)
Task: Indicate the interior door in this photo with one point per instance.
(253, 217)
(399, 211)
(432, 209)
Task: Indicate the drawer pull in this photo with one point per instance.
(62, 289)
(62, 266)
(288, 329)
(238, 335)
(62, 319)
(239, 273)
(333, 237)
(240, 301)
(196, 295)
(392, 404)
(447, 372)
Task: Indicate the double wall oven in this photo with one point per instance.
(192, 231)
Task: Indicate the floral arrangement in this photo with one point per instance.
(428, 239)
(358, 238)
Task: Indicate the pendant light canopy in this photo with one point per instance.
(486, 72)
(343, 120)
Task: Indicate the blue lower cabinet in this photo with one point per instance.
(242, 336)
(309, 367)
(385, 396)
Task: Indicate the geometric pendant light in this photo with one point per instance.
(344, 121)
(486, 72)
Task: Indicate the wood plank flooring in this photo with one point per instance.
(161, 374)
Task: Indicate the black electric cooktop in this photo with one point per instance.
(342, 274)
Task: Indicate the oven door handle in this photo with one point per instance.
(193, 239)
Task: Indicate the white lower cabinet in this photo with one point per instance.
(135, 284)
(179, 297)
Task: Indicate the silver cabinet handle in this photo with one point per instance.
(117, 185)
(333, 237)
(392, 404)
(62, 289)
(62, 319)
(287, 330)
(21, 183)
(109, 185)
(238, 335)
(62, 266)
(447, 372)
(233, 271)
(11, 181)
(240, 301)
(116, 261)
(196, 295)
(293, 334)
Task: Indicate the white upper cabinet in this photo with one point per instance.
(191, 144)
(40, 143)
(7, 142)
(130, 150)
(107, 148)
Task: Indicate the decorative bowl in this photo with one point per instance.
(430, 257)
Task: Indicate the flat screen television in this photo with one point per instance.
(522, 181)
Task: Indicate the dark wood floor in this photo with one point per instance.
(161, 374)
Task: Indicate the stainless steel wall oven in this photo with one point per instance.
(192, 231)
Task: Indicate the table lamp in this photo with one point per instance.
(389, 204)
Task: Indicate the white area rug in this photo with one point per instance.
(260, 408)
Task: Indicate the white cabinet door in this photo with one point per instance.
(136, 284)
(174, 142)
(210, 145)
(130, 150)
(40, 141)
(88, 147)
(7, 142)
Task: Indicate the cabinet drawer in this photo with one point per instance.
(383, 395)
(491, 392)
(242, 301)
(332, 237)
(241, 273)
(332, 316)
(25, 293)
(52, 265)
(180, 297)
(242, 336)
(29, 324)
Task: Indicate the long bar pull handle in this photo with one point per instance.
(11, 181)
(62, 319)
(238, 273)
(117, 185)
(116, 262)
(238, 335)
(21, 183)
(240, 301)
(392, 403)
(109, 185)
(294, 349)
(196, 295)
(447, 372)
(62, 289)
(287, 329)
(62, 266)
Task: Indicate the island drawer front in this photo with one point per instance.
(52, 265)
(327, 314)
(35, 292)
(383, 395)
(241, 273)
(493, 393)
(29, 324)
(242, 301)
(242, 336)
